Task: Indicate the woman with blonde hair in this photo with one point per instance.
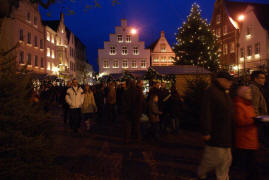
(246, 132)
(88, 107)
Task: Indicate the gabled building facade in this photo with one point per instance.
(24, 28)
(254, 39)
(161, 52)
(232, 22)
(123, 51)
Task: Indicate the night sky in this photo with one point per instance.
(148, 16)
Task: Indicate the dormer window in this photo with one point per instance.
(48, 36)
(120, 38)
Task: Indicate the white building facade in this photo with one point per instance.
(123, 51)
(253, 41)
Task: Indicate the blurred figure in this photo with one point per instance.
(258, 100)
(246, 133)
(89, 107)
(64, 103)
(74, 99)
(111, 102)
(216, 120)
(154, 115)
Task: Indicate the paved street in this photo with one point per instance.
(103, 153)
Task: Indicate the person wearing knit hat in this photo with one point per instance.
(246, 132)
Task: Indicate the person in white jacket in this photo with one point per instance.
(74, 98)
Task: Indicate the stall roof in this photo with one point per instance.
(180, 69)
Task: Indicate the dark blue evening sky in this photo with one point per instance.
(148, 16)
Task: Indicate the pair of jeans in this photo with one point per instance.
(218, 159)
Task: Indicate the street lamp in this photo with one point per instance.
(133, 31)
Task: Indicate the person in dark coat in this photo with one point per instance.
(217, 125)
(63, 102)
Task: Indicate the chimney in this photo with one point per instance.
(162, 34)
(124, 22)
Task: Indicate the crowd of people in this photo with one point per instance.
(232, 122)
(226, 121)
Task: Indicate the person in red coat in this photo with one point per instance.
(246, 132)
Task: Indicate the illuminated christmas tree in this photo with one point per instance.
(196, 42)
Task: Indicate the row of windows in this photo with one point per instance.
(124, 50)
(228, 48)
(124, 64)
(29, 39)
(224, 31)
(51, 38)
(249, 50)
(29, 18)
(29, 60)
(50, 53)
(162, 59)
(127, 39)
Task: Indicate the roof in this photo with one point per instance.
(180, 70)
(68, 32)
(260, 10)
(52, 24)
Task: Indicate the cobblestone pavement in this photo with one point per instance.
(103, 153)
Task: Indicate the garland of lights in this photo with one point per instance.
(196, 42)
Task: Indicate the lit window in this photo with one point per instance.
(29, 38)
(225, 49)
(21, 35)
(249, 51)
(163, 58)
(136, 51)
(156, 59)
(52, 54)
(120, 38)
(48, 52)
(143, 64)
(21, 60)
(128, 38)
(116, 64)
(225, 29)
(48, 66)
(163, 48)
(257, 48)
(35, 41)
(29, 60)
(218, 19)
(112, 50)
(48, 36)
(106, 64)
(52, 39)
(232, 47)
(124, 50)
(134, 64)
(124, 64)
(57, 41)
(36, 61)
